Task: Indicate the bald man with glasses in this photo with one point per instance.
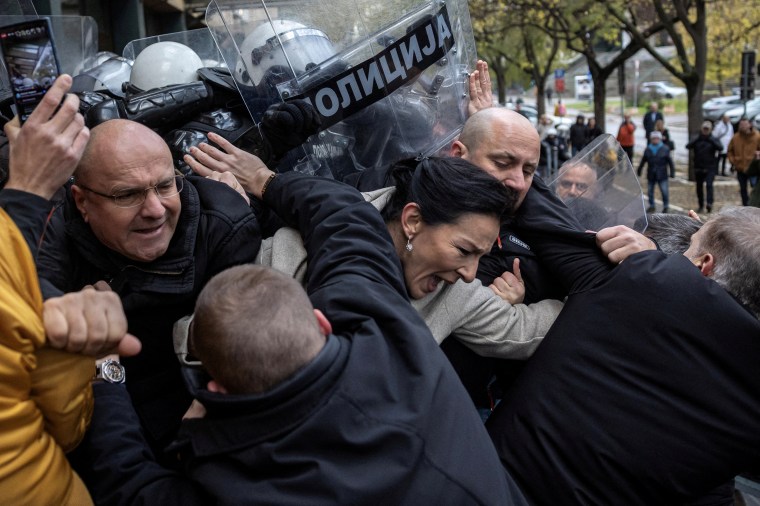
(156, 237)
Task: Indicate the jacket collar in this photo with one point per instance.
(233, 422)
(173, 272)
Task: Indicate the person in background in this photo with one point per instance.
(723, 131)
(625, 136)
(560, 109)
(592, 131)
(659, 126)
(741, 152)
(544, 124)
(658, 161)
(706, 150)
(519, 109)
(553, 153)
(754, 171)
(578, 134)
(650, 118)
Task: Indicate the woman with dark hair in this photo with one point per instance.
(442, 215)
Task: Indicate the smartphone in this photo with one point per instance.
(30, 59)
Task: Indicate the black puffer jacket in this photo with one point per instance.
(706, 150)
(215, 230)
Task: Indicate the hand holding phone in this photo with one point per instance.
(46, 150)
(30, 59)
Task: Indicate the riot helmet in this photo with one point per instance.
(164, 63)
(108, 74)
(284, 48)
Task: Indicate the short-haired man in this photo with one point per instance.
(156, 238)
(645, 389)
(741, 152)
(578, 132)
(706, 150)
(650, 119)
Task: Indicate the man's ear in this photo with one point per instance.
(458, 150)
(411, 220)
(216, 387)
(324, 324)
(706, 264)
(79, 200)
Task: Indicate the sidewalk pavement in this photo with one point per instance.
(683, 193)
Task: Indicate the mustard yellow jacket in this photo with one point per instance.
(45, 394)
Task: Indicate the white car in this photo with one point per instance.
(752, 110)
(714, 108)
(662, 89)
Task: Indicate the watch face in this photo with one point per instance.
(113, 372)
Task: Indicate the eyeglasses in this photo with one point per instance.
(581, 187)
(133, 198)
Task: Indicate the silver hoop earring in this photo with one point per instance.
(409, 246)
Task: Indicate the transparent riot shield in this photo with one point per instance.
(17, 8)
(600, 187)
(388, 79)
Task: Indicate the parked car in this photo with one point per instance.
(752, 110)
(714, 108)
(562, 125)
(529, 111)
(756, 122)
(661, 89)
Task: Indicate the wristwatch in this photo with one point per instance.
(110, 371)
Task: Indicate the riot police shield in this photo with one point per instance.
(600, 187)
(388, 79)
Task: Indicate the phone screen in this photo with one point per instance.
(29, 56)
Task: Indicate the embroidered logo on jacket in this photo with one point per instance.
(517, 241)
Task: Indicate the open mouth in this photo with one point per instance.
(150, 230)
(432, 283)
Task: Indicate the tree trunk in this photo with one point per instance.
(540, 94)
(600, 93)
(501, 84)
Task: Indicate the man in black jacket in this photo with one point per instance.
(345, 402)
(645, 390)
(156, 238)
(578, 131)
(706, 155)
(650, 118)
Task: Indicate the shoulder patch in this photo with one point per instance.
(517, 241)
